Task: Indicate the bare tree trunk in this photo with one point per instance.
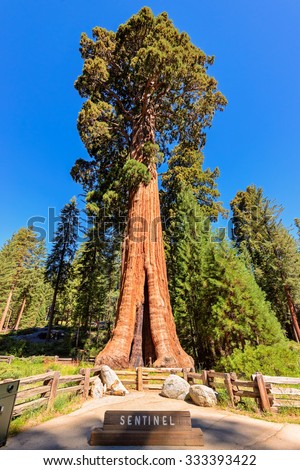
(5, 312)
(8, 320)
(294, 320)
(20, 314)
(145, 328)
(52, 310)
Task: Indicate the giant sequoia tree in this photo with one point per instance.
(146, 88)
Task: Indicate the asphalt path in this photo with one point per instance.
(222, 429)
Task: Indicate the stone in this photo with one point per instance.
(111, 380)
(98, 388)
(175, 387)
(202, 395)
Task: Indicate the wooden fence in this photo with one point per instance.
(43, 389)
(236, 389)
(7, 359)
(268, 392)
(282, 392)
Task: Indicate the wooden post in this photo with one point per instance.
(86, 383)
(233, 378)
(205, 378)
(139, 379)
(210, 380)
(264, 399)
(53, 391)
(227, 381)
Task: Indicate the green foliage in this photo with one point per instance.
(271, 250)
(12, 344)
(59, 261)
(217, 303)
(281, 359)
(63, 404)
(185, 172)
(146, 87)
(60, 258)
(23, 296)
(22, 367)
(93, 291)
(35, 365)
(136, 173)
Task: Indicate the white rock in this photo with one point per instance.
(97, 388)
(111, 380)
(175, 387)
(203, 395)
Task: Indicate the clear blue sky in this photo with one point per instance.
(254, 141)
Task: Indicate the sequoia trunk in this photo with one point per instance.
(145, 330)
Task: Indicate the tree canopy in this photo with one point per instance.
(146, 87)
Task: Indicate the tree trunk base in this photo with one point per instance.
(117, 362)
(114, 362)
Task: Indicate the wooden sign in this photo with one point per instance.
(147, 428)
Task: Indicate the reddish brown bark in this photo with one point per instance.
(16, 327)
(145, 329)
(6, 309)
(294, 320)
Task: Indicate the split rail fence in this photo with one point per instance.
(268, 392)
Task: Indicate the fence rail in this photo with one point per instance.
(269, 392)
(7, 359)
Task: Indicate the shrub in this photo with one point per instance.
(280, 359)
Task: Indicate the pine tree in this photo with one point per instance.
(234, 309)
(273, 253)
(17, 258)
(31, 289)
(59, 261)
(186, 238)
(217, 303)
(146, 88)
(97, 272)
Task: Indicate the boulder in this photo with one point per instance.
(98, 389)
(111, 380)
(202, 395)
(175, 387)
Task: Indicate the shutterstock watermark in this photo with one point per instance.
(137, 229)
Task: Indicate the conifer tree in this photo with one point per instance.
(31, 291)
(146, 87)
(234, 309)
(59, 261)
(186, 240)
(18, 256)
(217, 303)
(273, 253)
(185, 173)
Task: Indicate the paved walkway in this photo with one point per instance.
(222, 429)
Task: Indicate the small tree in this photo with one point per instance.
(59, 261)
